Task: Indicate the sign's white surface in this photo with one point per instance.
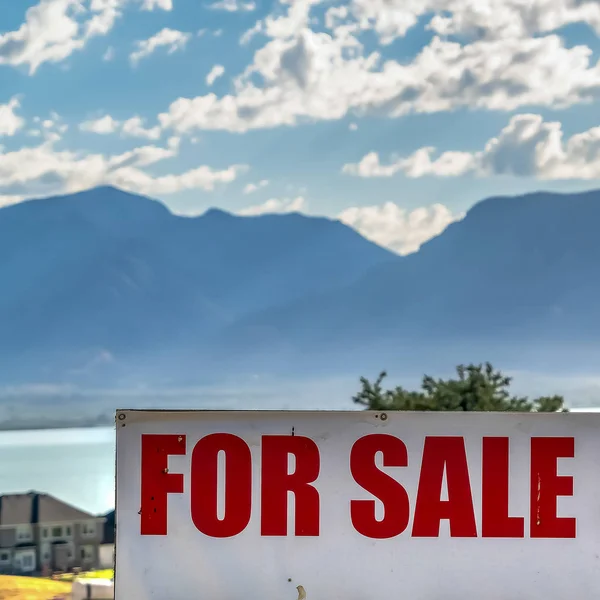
(357, 506)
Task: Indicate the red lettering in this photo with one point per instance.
(277, 482)
(237, 484)
(381, 485)
(157, 482)
(430, 509)
(546, 486)
(495, 522)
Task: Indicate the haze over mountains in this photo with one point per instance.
(107, 288)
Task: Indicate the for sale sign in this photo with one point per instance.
(357, 505)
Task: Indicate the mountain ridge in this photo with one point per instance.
(121, 273)
(117, 281)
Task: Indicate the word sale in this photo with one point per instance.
(442, 457)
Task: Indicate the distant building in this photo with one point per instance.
(107, 547)
(39, 532)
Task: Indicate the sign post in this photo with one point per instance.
(357, 505)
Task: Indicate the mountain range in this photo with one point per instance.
(105, 287)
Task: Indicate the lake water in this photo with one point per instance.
(76, 465)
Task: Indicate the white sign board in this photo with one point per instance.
(357, 506)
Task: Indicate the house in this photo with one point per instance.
(39, 532)
(107, 547)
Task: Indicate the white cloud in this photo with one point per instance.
(173, 39)
(530, 147)
(8, 200)
(134, 127)
(396, 228)
(216, 72)
(52, 129)
(162, 4)
(43, 170)
(475, 18)
(10, 122)
(527, 147)
(233, 5)
(250, 188)
(311, 76)
(102, 126)
(247, 36)
(109, 54)
(418, 164)
(353, 127)
(500, 63)
(275, 205)
(54, 29)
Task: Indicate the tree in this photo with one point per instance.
(476, 388)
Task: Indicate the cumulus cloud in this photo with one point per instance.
(233, 6)
(172, 39)
(418, 164)
(312, 76)
(474, 18)
(54, 29)
(8, 200)
(162, 4)
(216, 72)
(275, 205)
(250, 188)
(134, 127)
(10, 122)
(44, 170)
(531, 147)
(396, 228)
(527, 147)
(508, 56)
(52, 128)
(102, 126)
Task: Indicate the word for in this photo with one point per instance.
(441, 456)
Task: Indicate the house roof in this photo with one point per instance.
(108, 536)
(35, 507)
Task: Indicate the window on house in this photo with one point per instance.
(68, 531)
(27, 561)
(4, 556)
(57, 532)
(24, 534)
(88, 529)
(45, 533)
(87, 553)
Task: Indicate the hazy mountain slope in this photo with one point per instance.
(108, 287)
(106, 273)
(520, 268)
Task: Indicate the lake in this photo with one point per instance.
(76, 465)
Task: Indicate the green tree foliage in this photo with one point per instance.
(475, 388)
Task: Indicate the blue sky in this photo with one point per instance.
(393, 115)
